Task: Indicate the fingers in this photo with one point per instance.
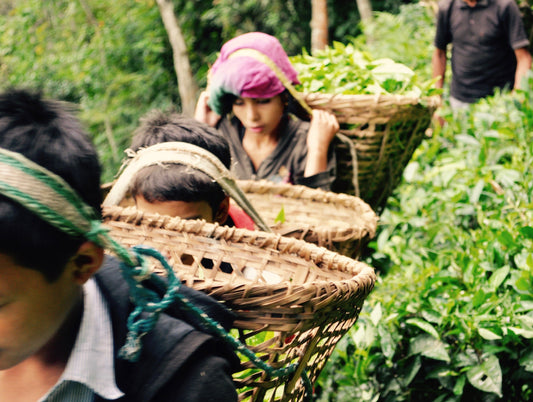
(203, 112)
(325, 122)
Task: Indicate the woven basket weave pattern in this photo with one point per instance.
(385, 131)
(293, 300)
(339, 222)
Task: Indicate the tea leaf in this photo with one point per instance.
(487, 376)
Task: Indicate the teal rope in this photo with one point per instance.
(174, 283)
(148, 305)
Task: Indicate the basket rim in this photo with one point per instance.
(360, 271)
(368, 218)
(373, 100)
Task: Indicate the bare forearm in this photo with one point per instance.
(523, 65)
(317, 162)
(438, 62)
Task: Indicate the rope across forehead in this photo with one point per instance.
(47, 195)
(185, 154)
(53, 200)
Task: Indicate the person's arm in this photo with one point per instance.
(203, 112)
(438, 63)
(523, 65)
(324, 126)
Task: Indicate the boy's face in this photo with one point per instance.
(182, 209)
(32, 310)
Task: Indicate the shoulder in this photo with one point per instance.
(444, 6)
(206, 370)
(171, 348)
(296, 126)
(228, 125)
(504, 6)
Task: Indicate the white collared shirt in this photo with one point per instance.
(90, 367)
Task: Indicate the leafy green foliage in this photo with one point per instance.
(451, 317)
(342, 69)
(98, 55)
(406, 37)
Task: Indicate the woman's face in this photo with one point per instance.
(259, 116)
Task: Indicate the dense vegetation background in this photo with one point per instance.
(451, 317)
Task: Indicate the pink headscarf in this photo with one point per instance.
(245, 76)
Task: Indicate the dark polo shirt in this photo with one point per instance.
(483, 40)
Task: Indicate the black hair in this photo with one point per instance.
(174, 182)
(48, 133)
(292, 105)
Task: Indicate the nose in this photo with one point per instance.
(252, 111)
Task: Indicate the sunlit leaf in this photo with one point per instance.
(424, 326)
(280, 218)
(376, 314)
(488, 335)
(487, 376)
(428, 346)
(498, 276)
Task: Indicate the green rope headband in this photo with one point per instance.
(53, 200)
(185, 154)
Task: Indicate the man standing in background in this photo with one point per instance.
(489, 48)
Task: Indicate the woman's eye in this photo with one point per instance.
(238, 102)
(263, 101)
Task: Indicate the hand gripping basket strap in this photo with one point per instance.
(189, 155)
(263, 58)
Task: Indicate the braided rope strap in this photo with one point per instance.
(263, 58)
(53, 200)
(184, 154)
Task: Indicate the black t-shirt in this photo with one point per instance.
(483, 40)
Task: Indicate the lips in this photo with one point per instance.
(257, 129)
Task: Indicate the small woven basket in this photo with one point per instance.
(339, 222)
(384, 132)
(293, 300)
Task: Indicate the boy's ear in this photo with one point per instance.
(86, 262)
(222, 214)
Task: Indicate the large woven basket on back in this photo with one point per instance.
(293, 300)
(384, 131)
(339, 222)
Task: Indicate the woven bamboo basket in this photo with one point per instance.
(384, 131)
(339, 222)
(293, 300)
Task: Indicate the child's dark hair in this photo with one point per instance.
(174, 182)
(48, 133)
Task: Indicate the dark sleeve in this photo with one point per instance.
(443, 35)
(514, 26)
(322, 180)
(206, 378)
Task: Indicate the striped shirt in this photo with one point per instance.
(90, 367)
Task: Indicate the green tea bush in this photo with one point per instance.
(110, 58)
(405, 36)
(343, 69)
(451, 316)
